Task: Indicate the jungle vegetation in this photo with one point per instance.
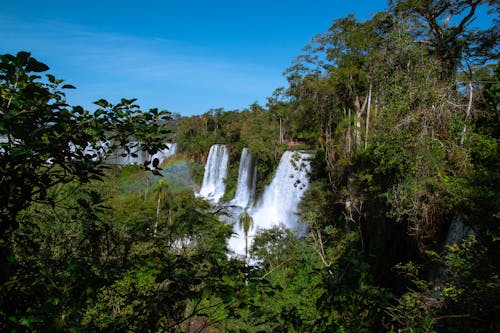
(403, 112)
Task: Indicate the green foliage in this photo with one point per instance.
(245, 223)
(402, 153)
(413, 310)
(45, 141)
(400, 192)
(126, 304)
(119, 268)
(464, 298)
(111, 251)
(471, 287)
(289, 266)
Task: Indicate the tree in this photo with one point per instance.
(443, 26)
(245, 223)
(161, 189)
(46, 142)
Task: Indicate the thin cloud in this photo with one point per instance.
(148, 68)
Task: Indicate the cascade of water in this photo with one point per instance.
(213, 186)
(279, 201)
(142, 156)
(247, 179)
(166, 153)
(281, 198)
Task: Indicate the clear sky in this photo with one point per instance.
(185, 56)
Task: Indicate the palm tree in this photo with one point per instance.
(245, 222)
(161, 189)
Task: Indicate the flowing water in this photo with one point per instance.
(281, 198)
(213, 186)
(247, 180)
(142, 156)
(279, 201)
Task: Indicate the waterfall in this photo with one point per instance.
(281, 198)
(213, 186)
(458, 230)
(279, 201)
(165, 154)
(247, 179)
(142, 156)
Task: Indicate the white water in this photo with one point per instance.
(165, 154)
(213, 186)
(247, 179)
(142, 156)
(280, 199)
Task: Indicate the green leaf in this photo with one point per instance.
(29, 320)
(36, 66)
(83, 203)
(78, 109)
(22, 57)
(68, 86)
(8, 58)
(102, 103)
(52, 78)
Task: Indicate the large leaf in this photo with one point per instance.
(22, 57)
(102, 103)
(36, 66)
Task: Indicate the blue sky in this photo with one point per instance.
(185, 56)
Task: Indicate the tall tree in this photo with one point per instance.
(245, 223)
(444, 27)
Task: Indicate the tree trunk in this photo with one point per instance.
(349, 135)
(246, 246)
(368, 114)
(146, 190)
(467, 114)
(359, 113)
(281, 130)
(157, 214)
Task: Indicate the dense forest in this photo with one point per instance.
(402, 113)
